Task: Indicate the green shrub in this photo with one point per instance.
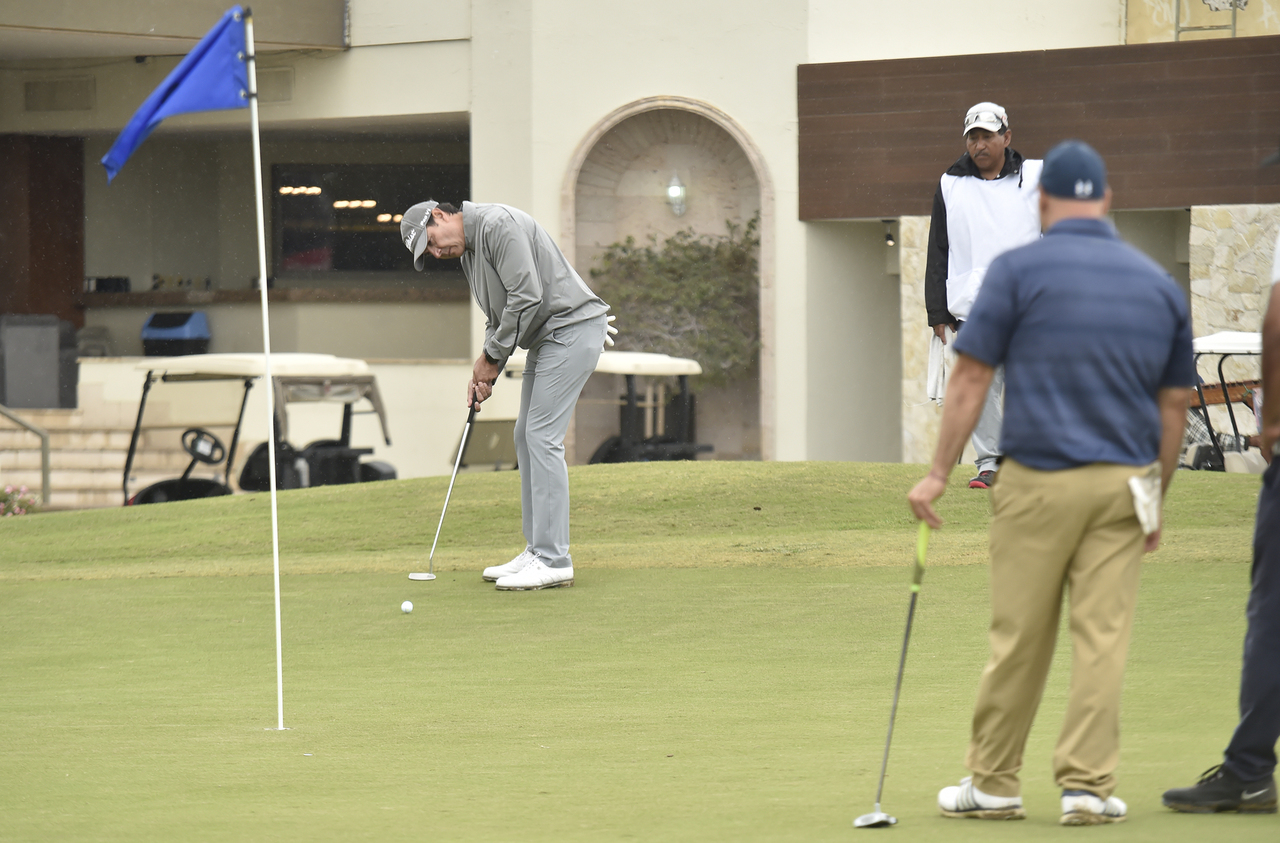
(696, 296)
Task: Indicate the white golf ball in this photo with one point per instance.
(406, 607)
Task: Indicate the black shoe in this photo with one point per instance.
(983, 480)
(1220, 790)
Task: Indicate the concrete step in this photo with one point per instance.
(112, 461)
(71, 480)
(88, 438)
(87, 458)
(79, 440)
(86, 499)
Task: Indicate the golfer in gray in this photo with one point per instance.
(531, 298)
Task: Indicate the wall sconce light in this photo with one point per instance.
(676, 194)
(888, 233)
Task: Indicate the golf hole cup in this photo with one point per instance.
(406, 607)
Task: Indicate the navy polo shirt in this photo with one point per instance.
(1089, 329)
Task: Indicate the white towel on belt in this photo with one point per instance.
(941, 357)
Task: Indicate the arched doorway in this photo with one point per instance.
(616, 186)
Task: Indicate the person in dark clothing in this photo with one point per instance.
(1245, 780)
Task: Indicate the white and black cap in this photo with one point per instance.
(986, 115)
(413, 230)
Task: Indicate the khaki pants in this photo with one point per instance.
(1074, 529)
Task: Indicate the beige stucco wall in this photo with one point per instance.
(1153, 20)
(389, 22)
(840, 30)
(855, 352)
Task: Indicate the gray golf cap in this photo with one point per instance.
(413, 228)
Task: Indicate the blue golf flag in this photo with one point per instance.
(212, 77)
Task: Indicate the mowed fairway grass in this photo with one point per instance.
(722, 669)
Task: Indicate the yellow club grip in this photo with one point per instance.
(922, 545)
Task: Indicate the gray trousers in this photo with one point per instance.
(555, 371)
(986, 435)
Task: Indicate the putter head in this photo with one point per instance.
(876, 819)
(422, 576)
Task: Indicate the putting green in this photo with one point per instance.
(718, 672)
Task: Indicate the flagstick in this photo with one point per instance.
(251, 61)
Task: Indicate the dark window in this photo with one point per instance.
(346, 217)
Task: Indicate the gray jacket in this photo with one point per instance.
(521, 279)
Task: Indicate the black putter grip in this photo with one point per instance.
(471, 415)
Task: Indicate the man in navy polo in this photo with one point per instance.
(1095, 339)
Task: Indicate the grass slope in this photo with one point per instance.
(719, 672)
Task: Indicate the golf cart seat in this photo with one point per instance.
(179, 489)
(331, 462)
(256, 476)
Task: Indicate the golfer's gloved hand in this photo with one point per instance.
(610, 331)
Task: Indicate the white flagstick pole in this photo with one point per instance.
(251, 61)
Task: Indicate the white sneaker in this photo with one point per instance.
(496, 572)
(1079, 807)
(535, 575)
(966, 800)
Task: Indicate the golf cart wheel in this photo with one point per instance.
(610, 450)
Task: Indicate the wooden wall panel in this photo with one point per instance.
(42, 225)
(1179, 124)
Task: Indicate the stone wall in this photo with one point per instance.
(1231, 253)
(920, 416)
(1232, 248)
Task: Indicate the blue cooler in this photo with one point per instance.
(175, 334)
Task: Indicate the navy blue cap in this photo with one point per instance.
(1074, 170)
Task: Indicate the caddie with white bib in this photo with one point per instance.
(985, 204)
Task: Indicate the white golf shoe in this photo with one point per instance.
(536, 575)
(496, 572)
(1080, 807)
(966, 800)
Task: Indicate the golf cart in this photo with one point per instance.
(295, 378)
(672, 432)
(1222, 448)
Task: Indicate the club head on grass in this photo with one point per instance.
(876, 819)
(421, 577)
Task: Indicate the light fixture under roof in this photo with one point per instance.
(676, 195)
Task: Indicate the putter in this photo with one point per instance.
(877, 818)
(466, 431)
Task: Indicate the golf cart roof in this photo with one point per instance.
(1229, 342)
(296, 376)
(223, 366)
(627, 363)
